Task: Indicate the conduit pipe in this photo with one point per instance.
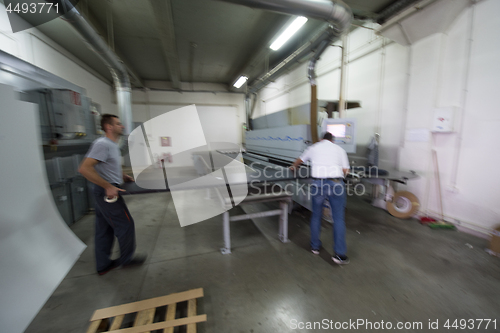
(336, 13)
(114, 64)
(311, 70)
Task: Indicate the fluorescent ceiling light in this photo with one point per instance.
(289, 32)
(240, 81)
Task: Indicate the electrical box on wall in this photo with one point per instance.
(443, 120)
(69, 114)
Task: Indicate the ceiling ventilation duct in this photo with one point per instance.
(336, 13)
(115, 65)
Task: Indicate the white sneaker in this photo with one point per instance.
(340, 260)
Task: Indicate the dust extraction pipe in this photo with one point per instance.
(336, 13)
(312, 80)
(114, 64)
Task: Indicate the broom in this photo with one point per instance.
(441, 224)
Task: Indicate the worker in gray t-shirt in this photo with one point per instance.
(102, 166)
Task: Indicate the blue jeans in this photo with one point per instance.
(336, 193)
(112, 220)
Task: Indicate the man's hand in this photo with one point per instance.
(112, 191)
(296, 164)
(127, 178)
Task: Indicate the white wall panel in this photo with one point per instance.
(38, 249)
(454, 61)
(405, 102)
(363, 84)
(393, 103)
(423, 76)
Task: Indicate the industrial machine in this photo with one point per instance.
(69, 122)
(278, 142)
(344, 131)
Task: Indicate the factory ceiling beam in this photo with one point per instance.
(90, 17)
(162, 10)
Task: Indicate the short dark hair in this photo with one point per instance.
(328, 136)
(107, 119)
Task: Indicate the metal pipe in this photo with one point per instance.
(341, 106)
(339, 17)
(311, 71)
(255, 215)
(335, 12)
(114, 64)
(463, 104)
(247, 109)
(304, 51)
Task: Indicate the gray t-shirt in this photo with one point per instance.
(107, 152)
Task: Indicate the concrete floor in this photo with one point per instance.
(400, 271)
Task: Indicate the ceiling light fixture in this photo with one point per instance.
(240, 81)
(289, 32)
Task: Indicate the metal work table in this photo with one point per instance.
(216, 172)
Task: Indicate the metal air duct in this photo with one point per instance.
(336, 13)
(311, 69)
(114, 64)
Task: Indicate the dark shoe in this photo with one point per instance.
(113, 264)
(136, 261)
(314, 251)
(341, 260)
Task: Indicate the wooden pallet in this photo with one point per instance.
(111, 319)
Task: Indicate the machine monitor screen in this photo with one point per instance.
(337, 130)
(344, 131)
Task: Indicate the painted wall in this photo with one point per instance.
(400, 89)
(222, 114)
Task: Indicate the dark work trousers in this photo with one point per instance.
(112, 219)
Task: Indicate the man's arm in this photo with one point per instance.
(346, 171)
(296, 164)
(127, 178)
(87, 169)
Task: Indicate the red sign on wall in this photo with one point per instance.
(75, 98)
(165, 141)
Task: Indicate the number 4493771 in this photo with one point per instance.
(462, 324)
(32, 7)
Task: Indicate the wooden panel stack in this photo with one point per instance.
(110, 319)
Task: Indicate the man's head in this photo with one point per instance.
(111, 124)
(328, 136)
